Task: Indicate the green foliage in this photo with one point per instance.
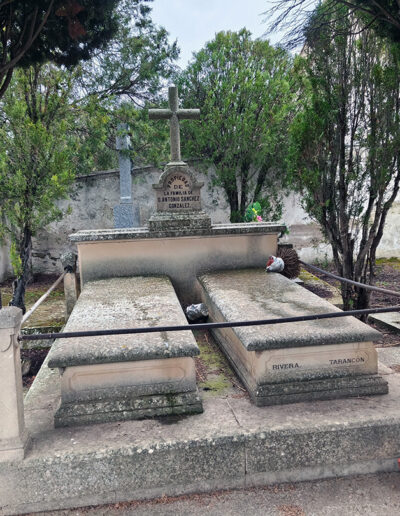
(149, 140)
(344, 142)
(382, 15)
(57, 40)
(16, 261)
(36, 150)
(122, 81)
(135, 61)
(63, 31)
(244, 92)
(253, 212)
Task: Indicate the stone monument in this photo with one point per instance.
(126, 215)
(120, 377)
(178, 198)
(180, 241)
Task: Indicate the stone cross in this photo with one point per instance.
(126, 215)
(125, 178)
(174, 114)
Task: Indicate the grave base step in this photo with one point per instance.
(310, 390)
(139, 407)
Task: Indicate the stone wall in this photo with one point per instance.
(5, 265)
(91, 207)
(94, 197)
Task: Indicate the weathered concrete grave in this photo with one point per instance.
(285, 363)
(111, 378)
(180, 241)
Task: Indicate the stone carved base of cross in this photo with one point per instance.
(178, 200)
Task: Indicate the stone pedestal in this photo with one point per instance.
(119, 377)
(178, 201)
(13, 435)
(290, 362)
(126, 215)
(188, 221)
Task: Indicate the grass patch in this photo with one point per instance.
(217, 385)
(307, 276)
(392, 262)
(215, 377)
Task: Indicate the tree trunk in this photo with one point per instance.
(233, 199)
(244, 173)
(361, 295)
(25, 251)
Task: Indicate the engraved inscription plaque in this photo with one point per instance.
(329, 361)
(178, 195)
(177, 190)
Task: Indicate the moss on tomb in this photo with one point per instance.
(214, 374)
(321, 288)
(307, 276)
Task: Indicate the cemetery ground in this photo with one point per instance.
(387, 276)
(214, 374)
(371, 494)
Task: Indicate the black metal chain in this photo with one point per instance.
(207, 326)
(236, 324)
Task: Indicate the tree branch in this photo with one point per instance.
(31, 37)
(6, 82)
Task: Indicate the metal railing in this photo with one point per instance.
(216, 325)
(351, 282)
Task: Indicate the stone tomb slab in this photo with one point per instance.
(389, 320)
(285, 363)
(182, 254)
(111, 378)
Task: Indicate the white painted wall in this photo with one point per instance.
(390, 243)
(309, 242)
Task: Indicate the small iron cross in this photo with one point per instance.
(174, 114)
